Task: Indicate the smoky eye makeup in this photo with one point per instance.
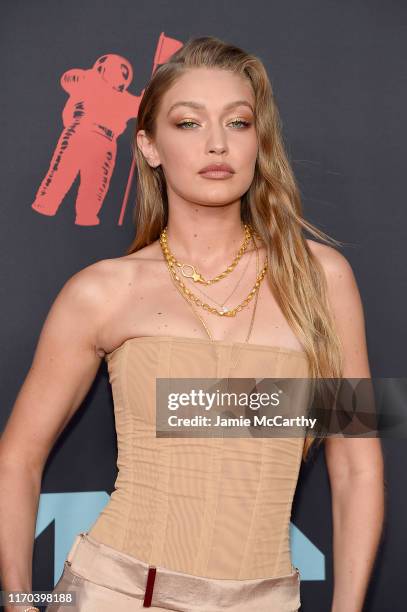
(236, 122)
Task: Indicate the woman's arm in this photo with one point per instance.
(64, 365)
(355, 465)
(358, 511)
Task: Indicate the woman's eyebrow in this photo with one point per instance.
(197, 105)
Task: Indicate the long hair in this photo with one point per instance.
(272, 204)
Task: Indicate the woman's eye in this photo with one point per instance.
(236, 121)
(242, 122)
(184, 123)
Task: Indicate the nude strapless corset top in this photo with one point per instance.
(212, 507)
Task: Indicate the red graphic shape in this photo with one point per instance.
(166, 47)
(95, 114)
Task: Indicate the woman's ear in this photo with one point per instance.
(147, 148)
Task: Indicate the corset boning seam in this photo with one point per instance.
(123, 366)
(287, 513)
(259, 482)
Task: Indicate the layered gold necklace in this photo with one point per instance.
(188, 301)
(173, 264)
(222, 304)
(196, 276)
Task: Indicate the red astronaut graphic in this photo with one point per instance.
(95, 114)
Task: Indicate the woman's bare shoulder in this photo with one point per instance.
(94, 286)
(342, 286)
(331, 259)
(101, 282)
(98, 276)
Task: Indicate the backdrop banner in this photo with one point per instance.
(73, 76)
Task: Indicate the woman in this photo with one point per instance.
(219, 258)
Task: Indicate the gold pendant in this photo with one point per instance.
(194, 274)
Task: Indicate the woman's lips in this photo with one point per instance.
(216, 174)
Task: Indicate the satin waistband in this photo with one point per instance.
(163, 587)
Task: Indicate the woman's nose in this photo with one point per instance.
(216, 141)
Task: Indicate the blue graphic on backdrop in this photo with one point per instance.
(72, 513)
(306, 556)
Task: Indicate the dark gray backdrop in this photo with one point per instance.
(338, 73)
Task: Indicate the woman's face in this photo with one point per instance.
(206, 117)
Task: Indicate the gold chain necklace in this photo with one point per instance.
(196, 276)
(222, 304)
(254, 307)
(224, 311)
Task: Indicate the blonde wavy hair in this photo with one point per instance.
(272, 204)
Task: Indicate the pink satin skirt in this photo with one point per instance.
(104, 579)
